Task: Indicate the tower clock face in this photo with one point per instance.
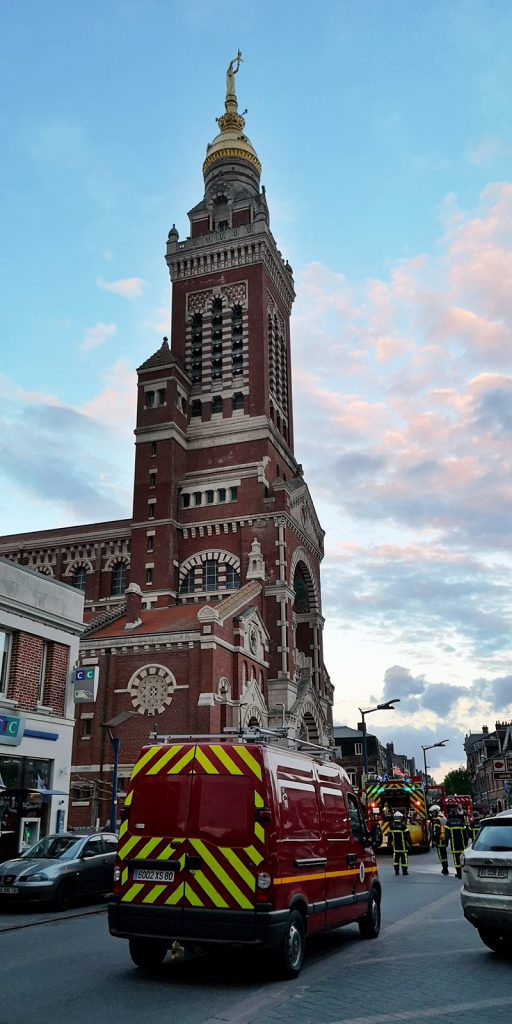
(253, 639)
(151, 689)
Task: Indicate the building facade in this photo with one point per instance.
(204, 610)
(489, 763)
(40, 626)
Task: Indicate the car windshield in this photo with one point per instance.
(54, 848)
(494, 838)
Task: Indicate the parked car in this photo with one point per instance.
(487, 882)
(59, 868)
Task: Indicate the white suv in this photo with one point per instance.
(486, 892)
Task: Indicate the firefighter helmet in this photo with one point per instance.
(398, 816)
(435, 809)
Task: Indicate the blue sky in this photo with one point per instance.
(385, 135)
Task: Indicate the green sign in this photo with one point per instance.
(11, 730)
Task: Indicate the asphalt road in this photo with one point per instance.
(428, 965)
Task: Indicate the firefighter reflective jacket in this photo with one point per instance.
(457, 834)
(399, 837)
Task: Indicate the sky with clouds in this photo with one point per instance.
(385, 135)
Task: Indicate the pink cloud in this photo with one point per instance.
(127, 287)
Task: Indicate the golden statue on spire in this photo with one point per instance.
(230, 77)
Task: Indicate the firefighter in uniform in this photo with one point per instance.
(400, 840)
(458, 836)
(474, 827)
(439, 837)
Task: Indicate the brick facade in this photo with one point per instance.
(222, 554)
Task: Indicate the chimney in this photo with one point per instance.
(133, 606)
(485, 730)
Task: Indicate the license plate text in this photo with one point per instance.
(152, 875)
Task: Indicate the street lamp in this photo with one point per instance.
(388, 706)
(123, 716)
(442, 743)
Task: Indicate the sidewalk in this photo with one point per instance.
(13, 918)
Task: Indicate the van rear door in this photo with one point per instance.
(192, 815)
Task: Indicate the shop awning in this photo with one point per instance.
(34, 789)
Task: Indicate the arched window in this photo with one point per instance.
(118, 579)
(232, 578)
(210, 574)
(238, 400)
(217, 403)
(79, 578)
(188, 583)
(301, 593)
(196, 408)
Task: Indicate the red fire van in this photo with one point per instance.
(228, 841)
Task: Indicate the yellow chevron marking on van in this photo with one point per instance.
(133, 891)
(148, 847)
(239, 866)
(259, 831)
(122, 828)
(169, 850)
(154, 893)
(192, 897)
(222, 875)
(227, 761)
(250, 761)
(128, 800)
(177, 894)
(144, 760)
(164, 759)
(128, 847)
(254, 854)
(175, 769)
(209, 768)
(209, 889)
(124, 876)
(258, 799)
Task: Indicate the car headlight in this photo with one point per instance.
(41, 877)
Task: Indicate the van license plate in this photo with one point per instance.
(493, 872)
(147, 875)
(8, 888)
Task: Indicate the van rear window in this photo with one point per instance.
(222, 809)
(215, 808)
(160, 806)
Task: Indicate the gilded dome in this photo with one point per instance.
(231, 143)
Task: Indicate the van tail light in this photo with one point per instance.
(116, 889)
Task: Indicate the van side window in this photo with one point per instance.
(299, 810)
(356, 822)
(335, 813)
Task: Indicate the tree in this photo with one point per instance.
(457, 782)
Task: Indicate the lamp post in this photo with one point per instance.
(442, 743)
(115, 741)
(388, 706)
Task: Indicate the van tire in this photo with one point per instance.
(291, 951)
(147, 953)
(369, 925)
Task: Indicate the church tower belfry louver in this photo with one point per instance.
(204, 610)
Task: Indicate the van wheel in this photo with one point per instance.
(495, 941)
(369, 925)
(147, 953)
(292, 948)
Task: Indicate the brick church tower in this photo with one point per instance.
(223, 624)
